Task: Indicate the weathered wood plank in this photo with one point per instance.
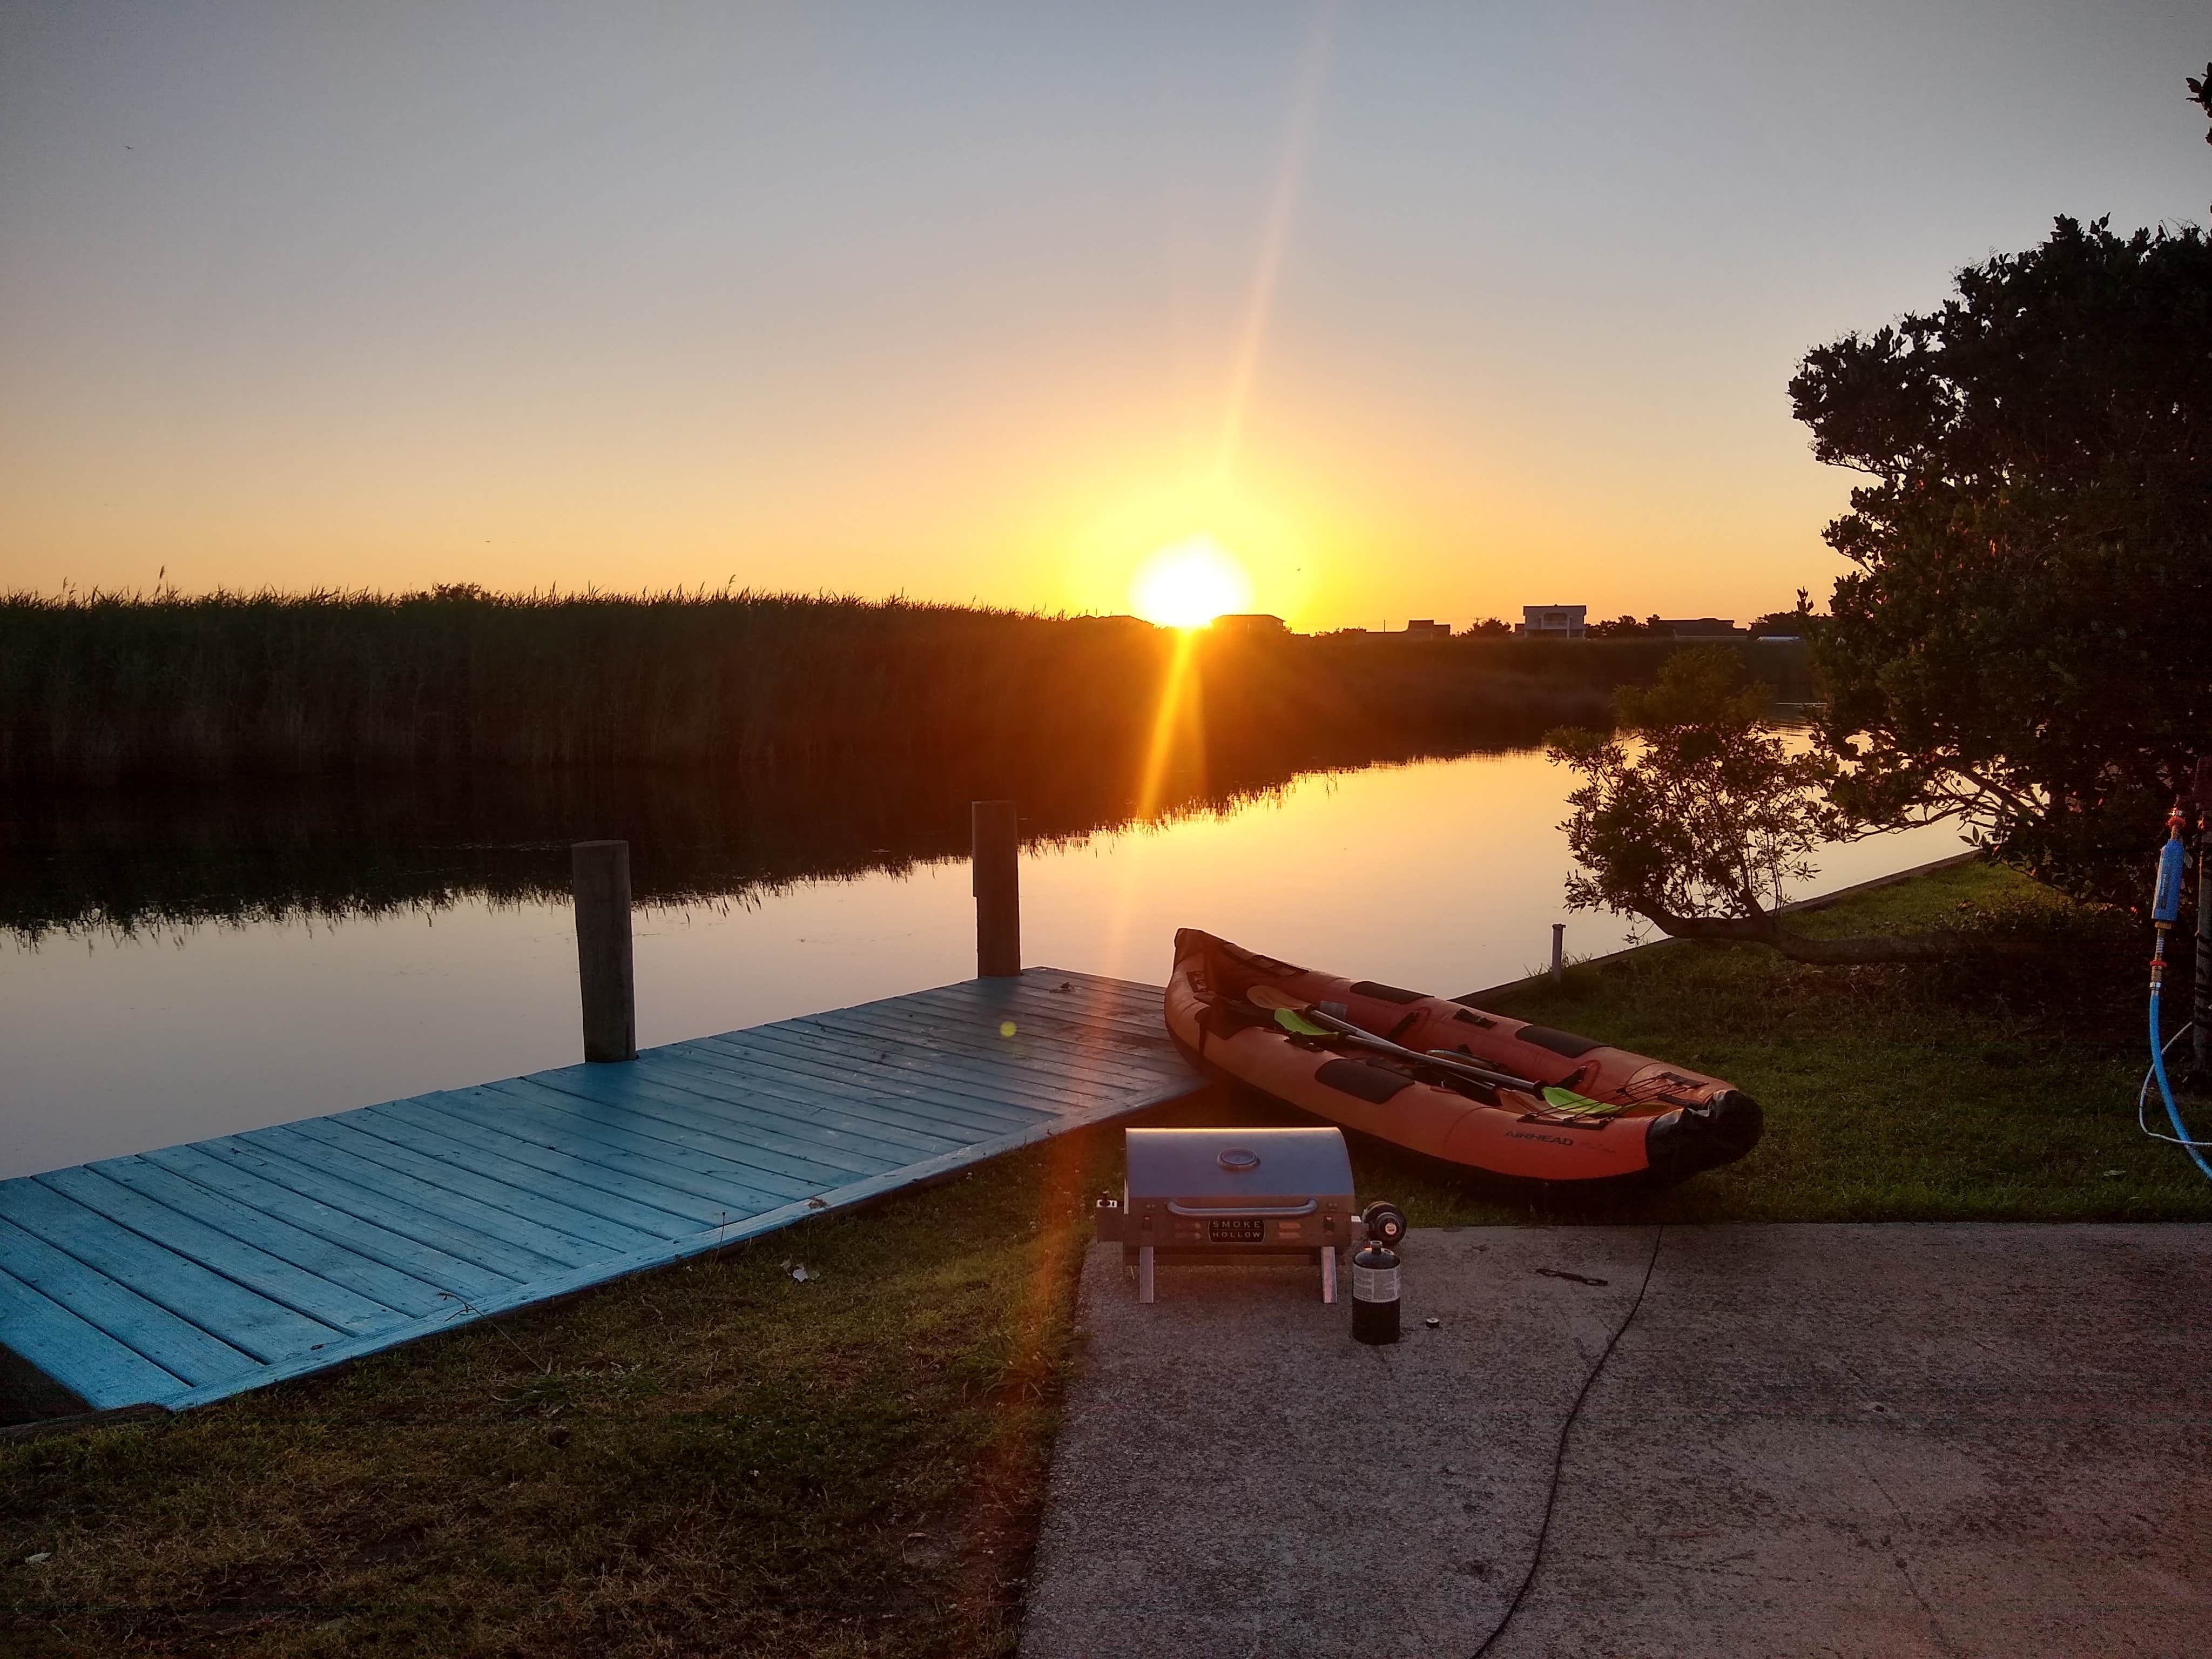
(441, 1233)
(1135, 1032)
(1103, 999)
(1136, 1012)
(478, 1182)
(565, 1128)
(234, 1179)
(241, 1318)
(670, 1108)
(319, 1255)
(840, 1118)
(315, 1151)
(992, 1094)
(518, 1164)
(151, 1331)
(952, 1112)
(826, 1107)
(76, 1353)
(245, 1265)
(957, 1108)
(1049, 1056)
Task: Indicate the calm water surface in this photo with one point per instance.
(1444, 875)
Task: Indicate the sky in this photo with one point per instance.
(1412, 309)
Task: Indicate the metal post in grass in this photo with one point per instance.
(1559, 952)
(600, 874)
(996, 865)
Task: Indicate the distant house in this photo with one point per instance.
(1553, 622)
(1252, 622)
(1423, 627)
(1702, 628)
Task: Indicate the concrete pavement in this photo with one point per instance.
(1839, 1440)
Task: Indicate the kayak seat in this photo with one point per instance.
(1565, 1044)
(1363, 1081)
(1381, 993)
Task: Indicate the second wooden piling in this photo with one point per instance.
(600, 874)
(996, 865)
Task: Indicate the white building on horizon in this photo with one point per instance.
(1553, 622)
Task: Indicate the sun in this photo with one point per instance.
(1188, 584)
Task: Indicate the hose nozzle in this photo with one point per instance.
(2166, 897)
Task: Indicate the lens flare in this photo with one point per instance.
(1189, 584)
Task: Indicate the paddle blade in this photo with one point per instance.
(1566, 1100)
(1298, 1025)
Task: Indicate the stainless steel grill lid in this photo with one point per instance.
(1229, 1168)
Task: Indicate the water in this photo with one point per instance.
(1442, 875)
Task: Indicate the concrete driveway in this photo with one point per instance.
(1885, 1440)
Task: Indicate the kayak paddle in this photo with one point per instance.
(1317, 1021)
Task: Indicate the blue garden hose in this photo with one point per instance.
(2165, 911)
(2181, 1136)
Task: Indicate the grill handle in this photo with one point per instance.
(1306, 1208)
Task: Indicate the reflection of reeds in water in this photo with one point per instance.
(124, 861)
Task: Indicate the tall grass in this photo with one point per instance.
(105, 688)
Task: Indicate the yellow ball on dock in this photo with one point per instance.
(1005, 1028)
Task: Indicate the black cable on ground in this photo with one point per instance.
(1560, 1453)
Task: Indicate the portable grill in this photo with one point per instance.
(1227, 1194)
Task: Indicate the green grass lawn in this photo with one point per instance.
(718, 1459)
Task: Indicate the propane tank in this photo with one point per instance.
(1375, 1276)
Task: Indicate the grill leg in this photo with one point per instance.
(1143, 1273)
(1328, 1274)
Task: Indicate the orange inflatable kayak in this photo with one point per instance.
(1472, 1089)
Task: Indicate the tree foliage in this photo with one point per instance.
(1697, 816)
(2023, 642)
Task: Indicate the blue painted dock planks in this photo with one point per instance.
(189, 1273)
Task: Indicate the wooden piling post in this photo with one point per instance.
(996, 879)
(600, 874)
(1559, 952)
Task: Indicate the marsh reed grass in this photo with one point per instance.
(109, 688)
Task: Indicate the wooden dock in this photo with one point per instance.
(178, 1276)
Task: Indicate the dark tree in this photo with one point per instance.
(1620, 627)
(2200, 93)
(1787, 624)
(2026, 641)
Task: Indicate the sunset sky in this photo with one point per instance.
(1414, 309)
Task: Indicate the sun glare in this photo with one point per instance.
(1189, 584)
